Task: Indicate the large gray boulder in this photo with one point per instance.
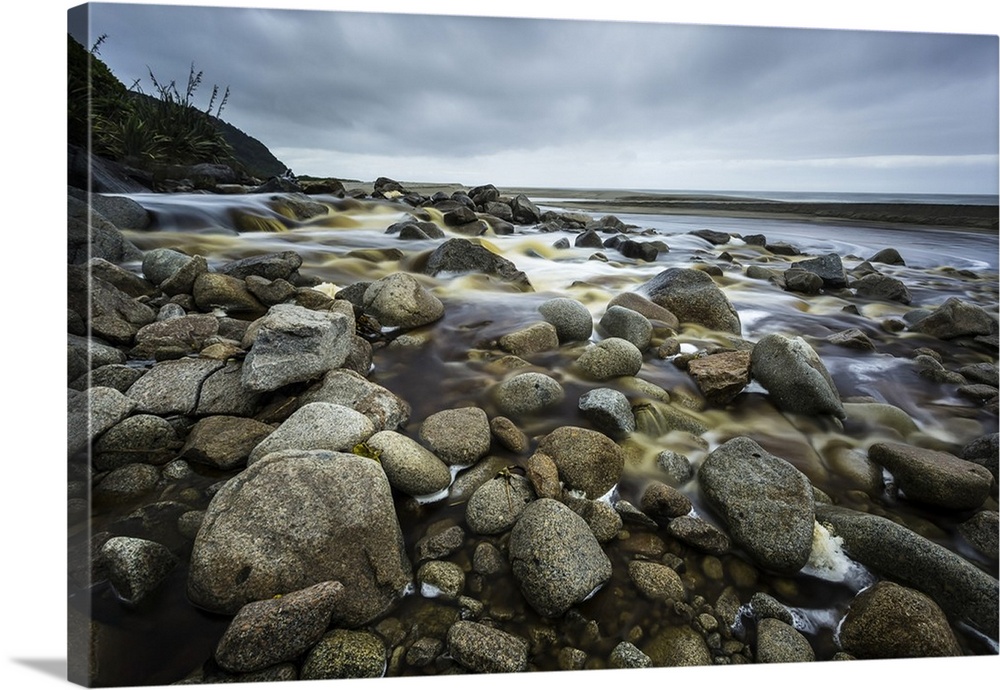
(795, 376)
(291, 344)
(460, 436)
(588, 461)
(265, 633)
(459, 255)
(293, 520)
(962, 590)
(526, 394)
(399, 300)
(889, 621)
(934, 477)
(409, 466)
(573, 321)
(317, 426)
(610, 358)
(955, 319)
(766, 503)
(829, 267)
(92, 412)
(172, 387)
(350, 389)
(693, 297)
(556, 560)
(90, 235)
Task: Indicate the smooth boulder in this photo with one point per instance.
(795, 376)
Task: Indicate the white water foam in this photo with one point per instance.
(827, 561)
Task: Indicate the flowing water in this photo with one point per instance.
(450, 364)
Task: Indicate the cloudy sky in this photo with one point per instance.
(580, 102)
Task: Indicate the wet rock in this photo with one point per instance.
(91, 235)
(982, 372)
(440, 579)
(495, 506)
(780, 643)
(609, 411)
(160, 264)
(888, 621)
(175, 337)
(136, 567)
(603, 520)
(800, 280)
(459, 255)
(700, 534)
(410, 467)
(633, 249)
(268, 632)
(588, 460)
(556, 560)
(932, 370)
(123, 279)
(459, 437)
(399, 300)
(223, 393)
(113, 316)
(527, 393)
(292, 344)
(766, 503)
(678, 646)
(853, 338)
(714, 237)
(316, 426)
(627, 655)
(888, 256)
(610, 358)
(828, 267)
(215, 291)
(652, 311)
(656, 581)
(960, 588)
(589, 238)
(572, 320)
(423, 651)
(543, 474)
(525, 212)
(621, 322)
(273, 266)
(654, 418)
(438, 545)
(934, 477)
(127, 483)
(795, 376)
(955, 319)
(693, 296)
(384, 408)
(509, 435)
(882, 287)
(721, 377)
(117, 376)
(676, 466)
(663, 502)
(487, 559)
(345, 654)
(538, 337)
(981, 531)
(482, 649)
(345, 529)
(765, 606)
(141, 438)
(977, 391)
(984, 451)
(172, 387)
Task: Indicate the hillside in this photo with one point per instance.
(148, 132)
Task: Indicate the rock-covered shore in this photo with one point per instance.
(226, 428)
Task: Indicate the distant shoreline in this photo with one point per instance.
(970, 217)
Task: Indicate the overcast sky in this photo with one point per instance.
(556, 102)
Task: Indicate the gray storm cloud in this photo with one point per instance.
(411, 86)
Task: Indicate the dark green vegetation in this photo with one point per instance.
(152, 132)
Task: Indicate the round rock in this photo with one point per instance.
(459, 437)
(399, 300)
(572, 320)
(587, 460)
(409, 466)
(610, 358)
(527, 393)
(556, 560)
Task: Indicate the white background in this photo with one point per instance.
(32, 398)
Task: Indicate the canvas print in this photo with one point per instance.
(411, 345)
